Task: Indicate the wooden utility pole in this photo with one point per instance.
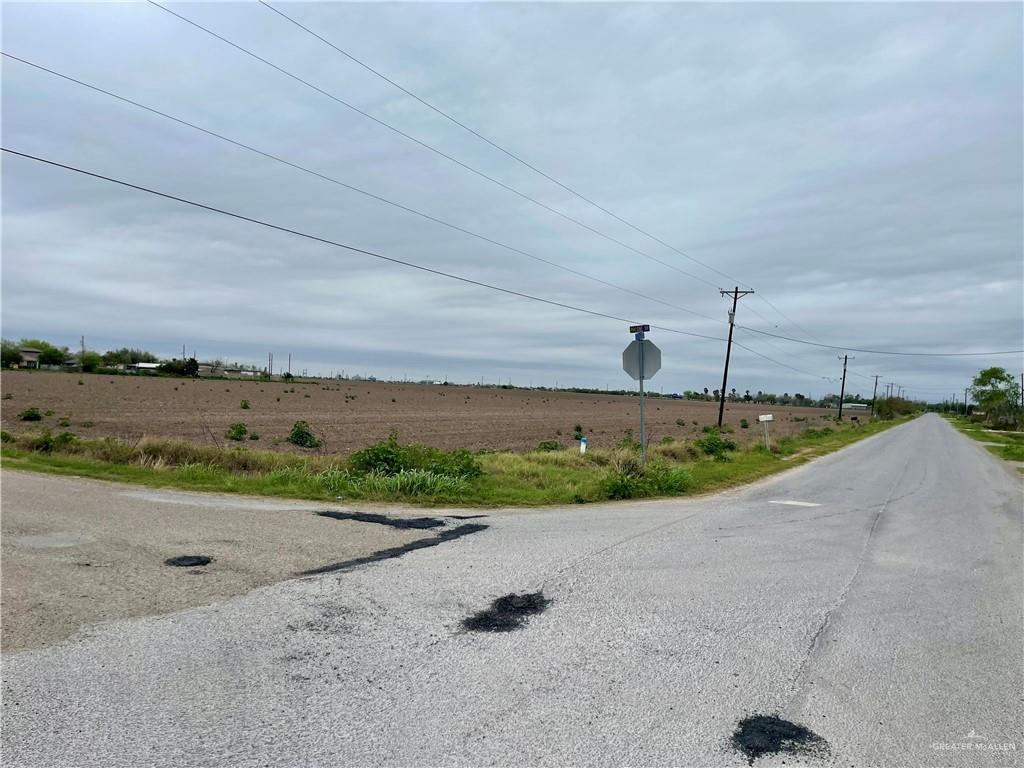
(874, 394)
(736, 293)
(81, 359)
(842, 387)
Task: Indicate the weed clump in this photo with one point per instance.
(302, 436)
(31, 414)
(744, 424)
(236, 431)
(392, 458)
(245, 405)
(716, 446)
(549, 445)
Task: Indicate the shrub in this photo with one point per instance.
(31, 414)
(616, 485)
(245, 405)
(6, 437)
(716, 445)
(254, 436)
(302, 436)
(577, 432)
(549, 445)
(744, 424)
(46, 442)
(64, 422)
(87, 424)
(392, 458)
(236, 431)
(680, 422)
(667, 440)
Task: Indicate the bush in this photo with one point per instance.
(715, 445)
(64, 422)
(236, 431)
(577, 432)
(302, 436)
(392, 458)
(667, 440)
(245, 405)
(6, 437)
(680, 422)
(744, 424)
(637, 482)
(31, 414)
(254, 436)
(46, 442)
(549, 445)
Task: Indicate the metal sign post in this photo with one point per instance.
(764, 420)
(641, 360)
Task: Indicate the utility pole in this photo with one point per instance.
(736, 293)
(965, 400)
(874, 394)
(842, 387)
(289, 363)
(270, 365)
(81, 359)
(182, 353)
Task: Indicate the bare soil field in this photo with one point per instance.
(350, 415)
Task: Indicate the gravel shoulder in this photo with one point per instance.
(78, 552)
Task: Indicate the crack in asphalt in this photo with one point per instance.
(814, 646)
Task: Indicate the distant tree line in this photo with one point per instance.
(90, 361)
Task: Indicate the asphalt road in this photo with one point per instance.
(887, 619)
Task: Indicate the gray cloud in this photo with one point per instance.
(858, 164)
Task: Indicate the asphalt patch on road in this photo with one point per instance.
(507, 613)
(759, 735)
(417, 523)
(449, 534)
(188, 561)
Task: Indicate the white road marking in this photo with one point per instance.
(796, 503)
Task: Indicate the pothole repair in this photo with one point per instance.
(507, 613)
(759, 735)
(188, 561)
(416, 523)
(448, 534)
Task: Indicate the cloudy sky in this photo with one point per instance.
(858, 165)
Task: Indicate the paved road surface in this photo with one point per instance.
(887, 619)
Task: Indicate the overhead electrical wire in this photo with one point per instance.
(352, 248)
(525, 163)
(356, 189)
(881, 351)
(430, 147)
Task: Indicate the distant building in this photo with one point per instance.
(29, 357)
(143, 366)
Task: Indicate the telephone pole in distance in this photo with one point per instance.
(842, 387)
(736, 293)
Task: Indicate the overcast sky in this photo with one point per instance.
(858, 165)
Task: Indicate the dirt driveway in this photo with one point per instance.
(79, 552)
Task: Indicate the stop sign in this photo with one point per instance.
(631, 359)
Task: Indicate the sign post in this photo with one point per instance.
(764, 420)
(641, 360)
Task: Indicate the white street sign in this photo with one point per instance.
(768, 417)
(631, 359)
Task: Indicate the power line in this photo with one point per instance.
(525, 163)
(356, 189)
(430, 147)
(352, 248)
(880, 351)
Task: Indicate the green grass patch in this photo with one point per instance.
(391, 471)
(1010, 444)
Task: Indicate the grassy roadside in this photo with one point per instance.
(1010, 444)
(430, 477)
